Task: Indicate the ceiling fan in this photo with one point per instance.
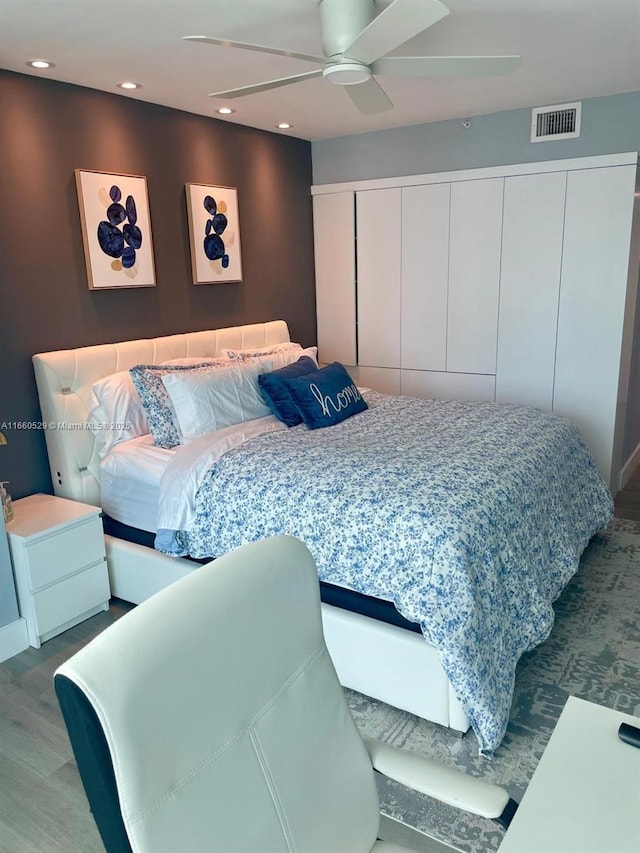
(356, 41)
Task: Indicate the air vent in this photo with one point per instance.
(561, 121)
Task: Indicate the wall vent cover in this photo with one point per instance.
(561, 121)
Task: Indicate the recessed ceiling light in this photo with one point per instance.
(284, 125)
(129, 85)
(225, 111)
(40, 63)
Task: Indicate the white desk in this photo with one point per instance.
(584, 796)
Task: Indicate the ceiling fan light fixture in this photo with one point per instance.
(347, 73)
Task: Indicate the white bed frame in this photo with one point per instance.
(380, 660)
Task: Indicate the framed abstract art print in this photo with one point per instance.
(116, 230)
(214, 234)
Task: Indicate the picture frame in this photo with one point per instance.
(214, 233)
(116, 230)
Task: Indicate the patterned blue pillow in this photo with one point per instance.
(276, 393)
(326, 396)
(156, 402)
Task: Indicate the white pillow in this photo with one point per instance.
(243, 354)
(190, 360)
(312, 352)
(281, 358)
(117, 414)
(207, 401)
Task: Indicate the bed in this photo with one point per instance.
(546, 476)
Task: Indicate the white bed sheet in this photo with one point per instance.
(131, 489)
(130, 476)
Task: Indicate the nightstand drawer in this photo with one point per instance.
(64, 552)
(65, 600)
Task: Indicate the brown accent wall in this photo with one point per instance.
(49, 129)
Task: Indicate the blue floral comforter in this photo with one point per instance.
(471, 517)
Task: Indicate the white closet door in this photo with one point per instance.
(447, 386)
(378, 244)
(529, 288)
(474, 275)
(334, 240)
(592, 305)
(425, 270)
(383, 379)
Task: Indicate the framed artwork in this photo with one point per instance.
(116, 230)
(214, 234)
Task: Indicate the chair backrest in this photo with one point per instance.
(223, 718)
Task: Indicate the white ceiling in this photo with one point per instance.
(571, 49)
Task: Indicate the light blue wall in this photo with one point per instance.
(610, 125)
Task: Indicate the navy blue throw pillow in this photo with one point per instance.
(326, 396)
(275, 391)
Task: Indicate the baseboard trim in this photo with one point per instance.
(629, 467)
(13, 639)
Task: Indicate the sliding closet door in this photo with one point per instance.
(593, 289)
(334, 241)
(425, 271)
(474, 275)
(529, 288)
(378, 244)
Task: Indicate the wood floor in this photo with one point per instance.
(43, 808)
(627, 502)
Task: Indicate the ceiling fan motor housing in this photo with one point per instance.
(346, 73)
(342, 21)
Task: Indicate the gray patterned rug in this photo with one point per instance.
(593, 652)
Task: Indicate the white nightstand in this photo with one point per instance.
(59, 562)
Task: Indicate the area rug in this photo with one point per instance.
(593, 652)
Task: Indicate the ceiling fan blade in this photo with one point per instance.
(395, 25)
(445, 66)
(257, 47)
(369, 97)
(264, 87)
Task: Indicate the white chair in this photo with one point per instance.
(210, 718)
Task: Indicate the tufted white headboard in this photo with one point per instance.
(64, 379)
